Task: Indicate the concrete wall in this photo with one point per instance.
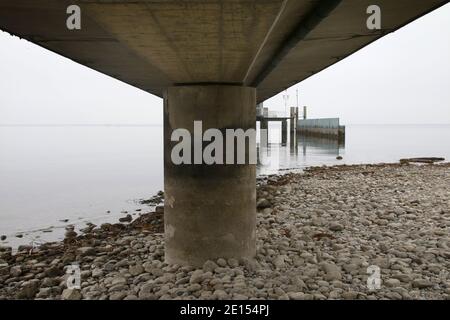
(320, 127)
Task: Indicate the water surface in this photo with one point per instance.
(53, 173)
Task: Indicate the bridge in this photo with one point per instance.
(208, 58)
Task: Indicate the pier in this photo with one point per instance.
(264, 116)
(321, 128)
(211, 61)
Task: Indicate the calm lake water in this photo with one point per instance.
(49, 174)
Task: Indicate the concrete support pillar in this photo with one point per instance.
(209, 210)
(284, 132)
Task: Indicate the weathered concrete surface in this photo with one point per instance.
(155, 44)
(210, 210)
(321, 127)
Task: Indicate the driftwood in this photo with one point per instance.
(422, 160)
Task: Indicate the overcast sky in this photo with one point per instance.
(402, 78)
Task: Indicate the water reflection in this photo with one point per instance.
(324, 145)
(297, 151)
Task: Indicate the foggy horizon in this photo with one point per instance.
(402, 78)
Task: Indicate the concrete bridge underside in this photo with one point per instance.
(208, 57)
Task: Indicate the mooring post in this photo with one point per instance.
(264, 130)
(284, 132)
(293, 141)
(294, 123)
(292, 120)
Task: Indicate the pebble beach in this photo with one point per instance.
(319, 232)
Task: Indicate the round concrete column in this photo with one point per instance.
(210, 210)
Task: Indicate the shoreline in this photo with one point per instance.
(318, 231)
